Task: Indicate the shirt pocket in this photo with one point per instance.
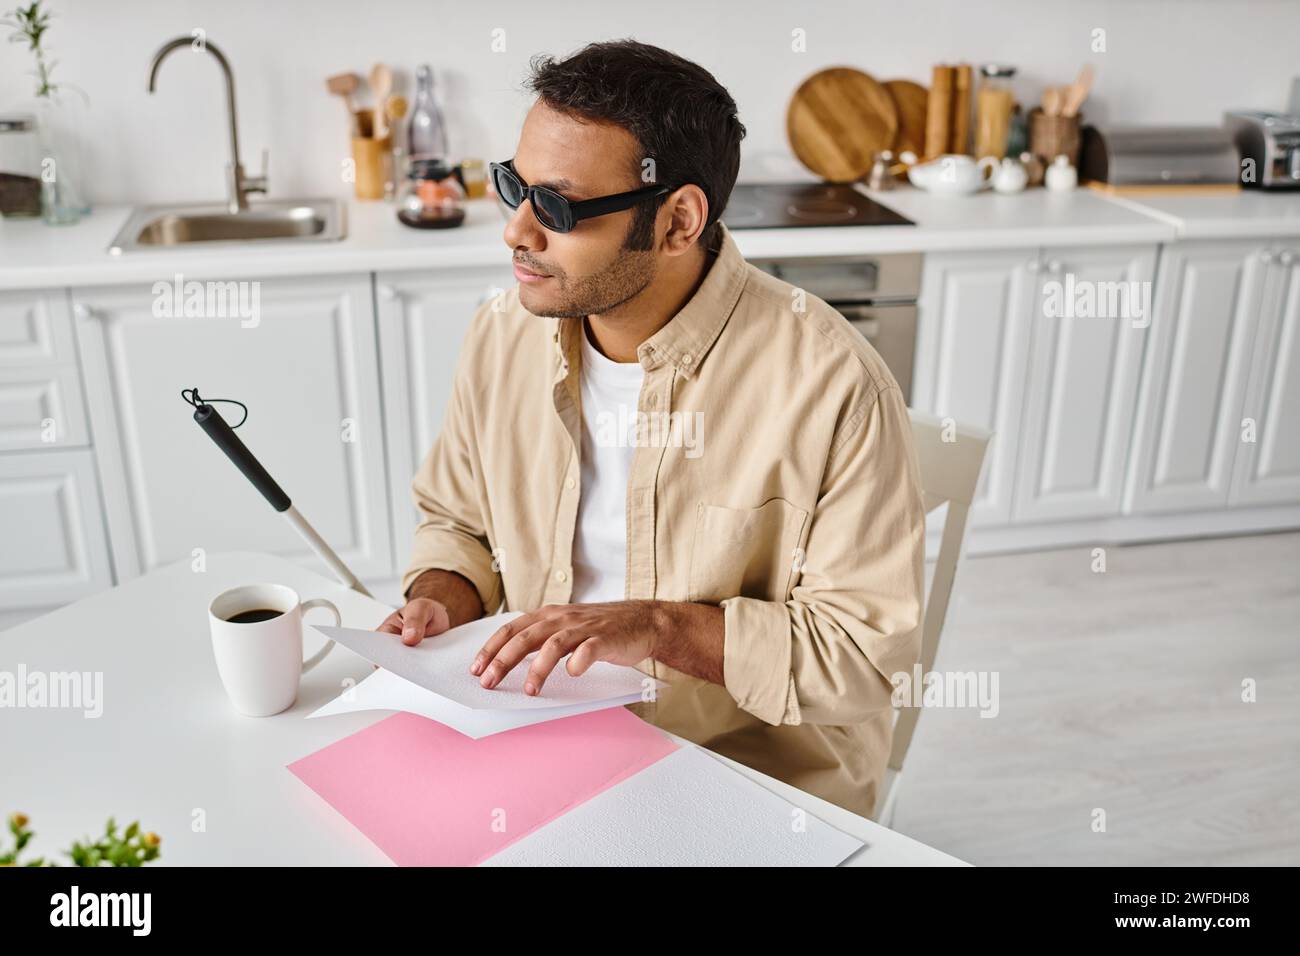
(745, 552)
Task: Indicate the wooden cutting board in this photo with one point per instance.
(837, 120)
(910, 101)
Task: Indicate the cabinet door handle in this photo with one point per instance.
(1032, 266)
(1286, 257)
(387, 293)
(82, 312)
(1054, 266)
(1266, 256)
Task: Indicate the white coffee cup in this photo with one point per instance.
(260, 662)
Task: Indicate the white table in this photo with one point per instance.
(169, 749)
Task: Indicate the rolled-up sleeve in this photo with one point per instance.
(451, 533)
(853, 619)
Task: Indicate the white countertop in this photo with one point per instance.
(33, 255)
(1245, 214)
(168, 740)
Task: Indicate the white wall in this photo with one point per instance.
(1167, 61)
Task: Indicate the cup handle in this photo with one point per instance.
(329, 645)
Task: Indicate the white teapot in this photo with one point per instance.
(952, 174)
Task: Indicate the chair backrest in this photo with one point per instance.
(950, 457)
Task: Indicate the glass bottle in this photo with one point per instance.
(426, 132)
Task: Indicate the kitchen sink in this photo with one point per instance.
(162, 227)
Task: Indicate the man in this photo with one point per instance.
(664, 456)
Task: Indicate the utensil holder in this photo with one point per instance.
(370, 156)
(1052, 136)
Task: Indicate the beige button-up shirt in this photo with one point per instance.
(773, 475)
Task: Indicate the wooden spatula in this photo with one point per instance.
(344, 85)
(1078, 91)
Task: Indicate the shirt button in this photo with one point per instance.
(561, 576)
(570, 484)
(688, 358)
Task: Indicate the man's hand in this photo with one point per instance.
(620, 632)
(436, 601)
(420, 618)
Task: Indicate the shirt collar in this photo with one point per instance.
(688, 336)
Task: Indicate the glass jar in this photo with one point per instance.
(994, 105)
(474, 176)
(433, 196)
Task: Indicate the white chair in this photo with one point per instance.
(950, 473)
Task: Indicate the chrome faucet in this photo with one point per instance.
(238, 185)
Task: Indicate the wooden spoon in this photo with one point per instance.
(1052, 101)
(395, 108)
(381, 85)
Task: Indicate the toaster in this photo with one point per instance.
(1271, 142)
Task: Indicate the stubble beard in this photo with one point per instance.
(628, 276)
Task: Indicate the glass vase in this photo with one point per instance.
(61, 118)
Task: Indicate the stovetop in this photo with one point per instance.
(791, 205)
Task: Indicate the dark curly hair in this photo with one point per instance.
(683, 119)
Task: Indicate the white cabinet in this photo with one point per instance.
(1043, 347)
(52, 543)
(41, 405)
(1090, 316)
(300, 353)
(1268, 468)
(423, 319)
(52, 546)
(972, 357)
(35, 329)
(1208, 301)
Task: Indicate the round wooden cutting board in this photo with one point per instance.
(838, 119)
(910, 99)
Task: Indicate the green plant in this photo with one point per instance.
(29, 25)
(130, 848)
(18, 827)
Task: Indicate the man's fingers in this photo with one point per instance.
(422, 618)
(392, 624)
(516, 649)
(498, 640)
(587, 653)
(553, 648)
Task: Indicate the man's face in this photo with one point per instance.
(587, 271)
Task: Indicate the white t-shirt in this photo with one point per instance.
(609, 402)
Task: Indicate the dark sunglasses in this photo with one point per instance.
(554, 211)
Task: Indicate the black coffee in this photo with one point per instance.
(254, 616)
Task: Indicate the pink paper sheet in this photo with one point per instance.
(429, 796)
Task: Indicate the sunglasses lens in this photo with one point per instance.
(507, 186)
(552, 210)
